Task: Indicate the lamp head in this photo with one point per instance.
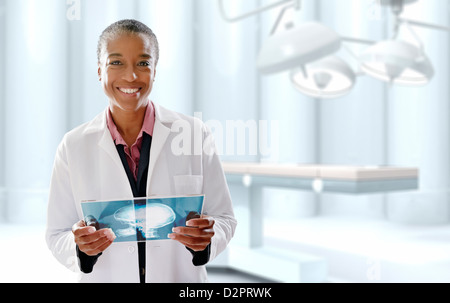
(398, 62)
(296, 47)
(327, 78)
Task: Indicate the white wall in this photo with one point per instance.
(418, 122)
(2, 113)
(34, 118)
(353, 128)
(226, 82)
(299, 128)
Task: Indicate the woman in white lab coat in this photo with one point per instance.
(181, 161)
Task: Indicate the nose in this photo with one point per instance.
(129, 74)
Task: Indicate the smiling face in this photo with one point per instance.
(127, 69)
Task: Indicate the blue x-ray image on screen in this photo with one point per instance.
(143, 219)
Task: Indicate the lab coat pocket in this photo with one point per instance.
(188, 185)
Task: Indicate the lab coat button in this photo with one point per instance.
(130, 249)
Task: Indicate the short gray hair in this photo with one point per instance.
(127, 26)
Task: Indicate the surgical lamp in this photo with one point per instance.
(397, 61)
(307, 51)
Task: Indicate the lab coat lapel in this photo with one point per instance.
(117, 171)
(160, 135)
(107, 144)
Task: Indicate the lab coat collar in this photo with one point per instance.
(162, 115)
(163, 120)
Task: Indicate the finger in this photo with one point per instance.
(201, 222)
(98, 246)
(190, 240)
(102, 247)
(194, 243)
(91, 238)
(191, 231)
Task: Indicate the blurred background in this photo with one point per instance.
(210, 65)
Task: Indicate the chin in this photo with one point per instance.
(129, 105)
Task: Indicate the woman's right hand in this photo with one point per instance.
(90, 241)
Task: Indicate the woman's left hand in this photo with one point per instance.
(196, 235)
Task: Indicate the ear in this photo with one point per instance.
(99, 71)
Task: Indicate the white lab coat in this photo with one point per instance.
(88, 167)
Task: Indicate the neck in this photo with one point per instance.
(128, 123)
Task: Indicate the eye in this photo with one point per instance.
(115, 63)
(144, 63)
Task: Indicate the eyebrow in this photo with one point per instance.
(146, 56)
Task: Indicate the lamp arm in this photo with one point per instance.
(414, 34)
(357, 40)
(358, 72)
(249, 14)
(423, 24)
(280, 17)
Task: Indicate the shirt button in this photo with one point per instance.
(131, 249)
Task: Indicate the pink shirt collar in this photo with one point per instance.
(147, 126)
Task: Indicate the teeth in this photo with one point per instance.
(129, 91)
